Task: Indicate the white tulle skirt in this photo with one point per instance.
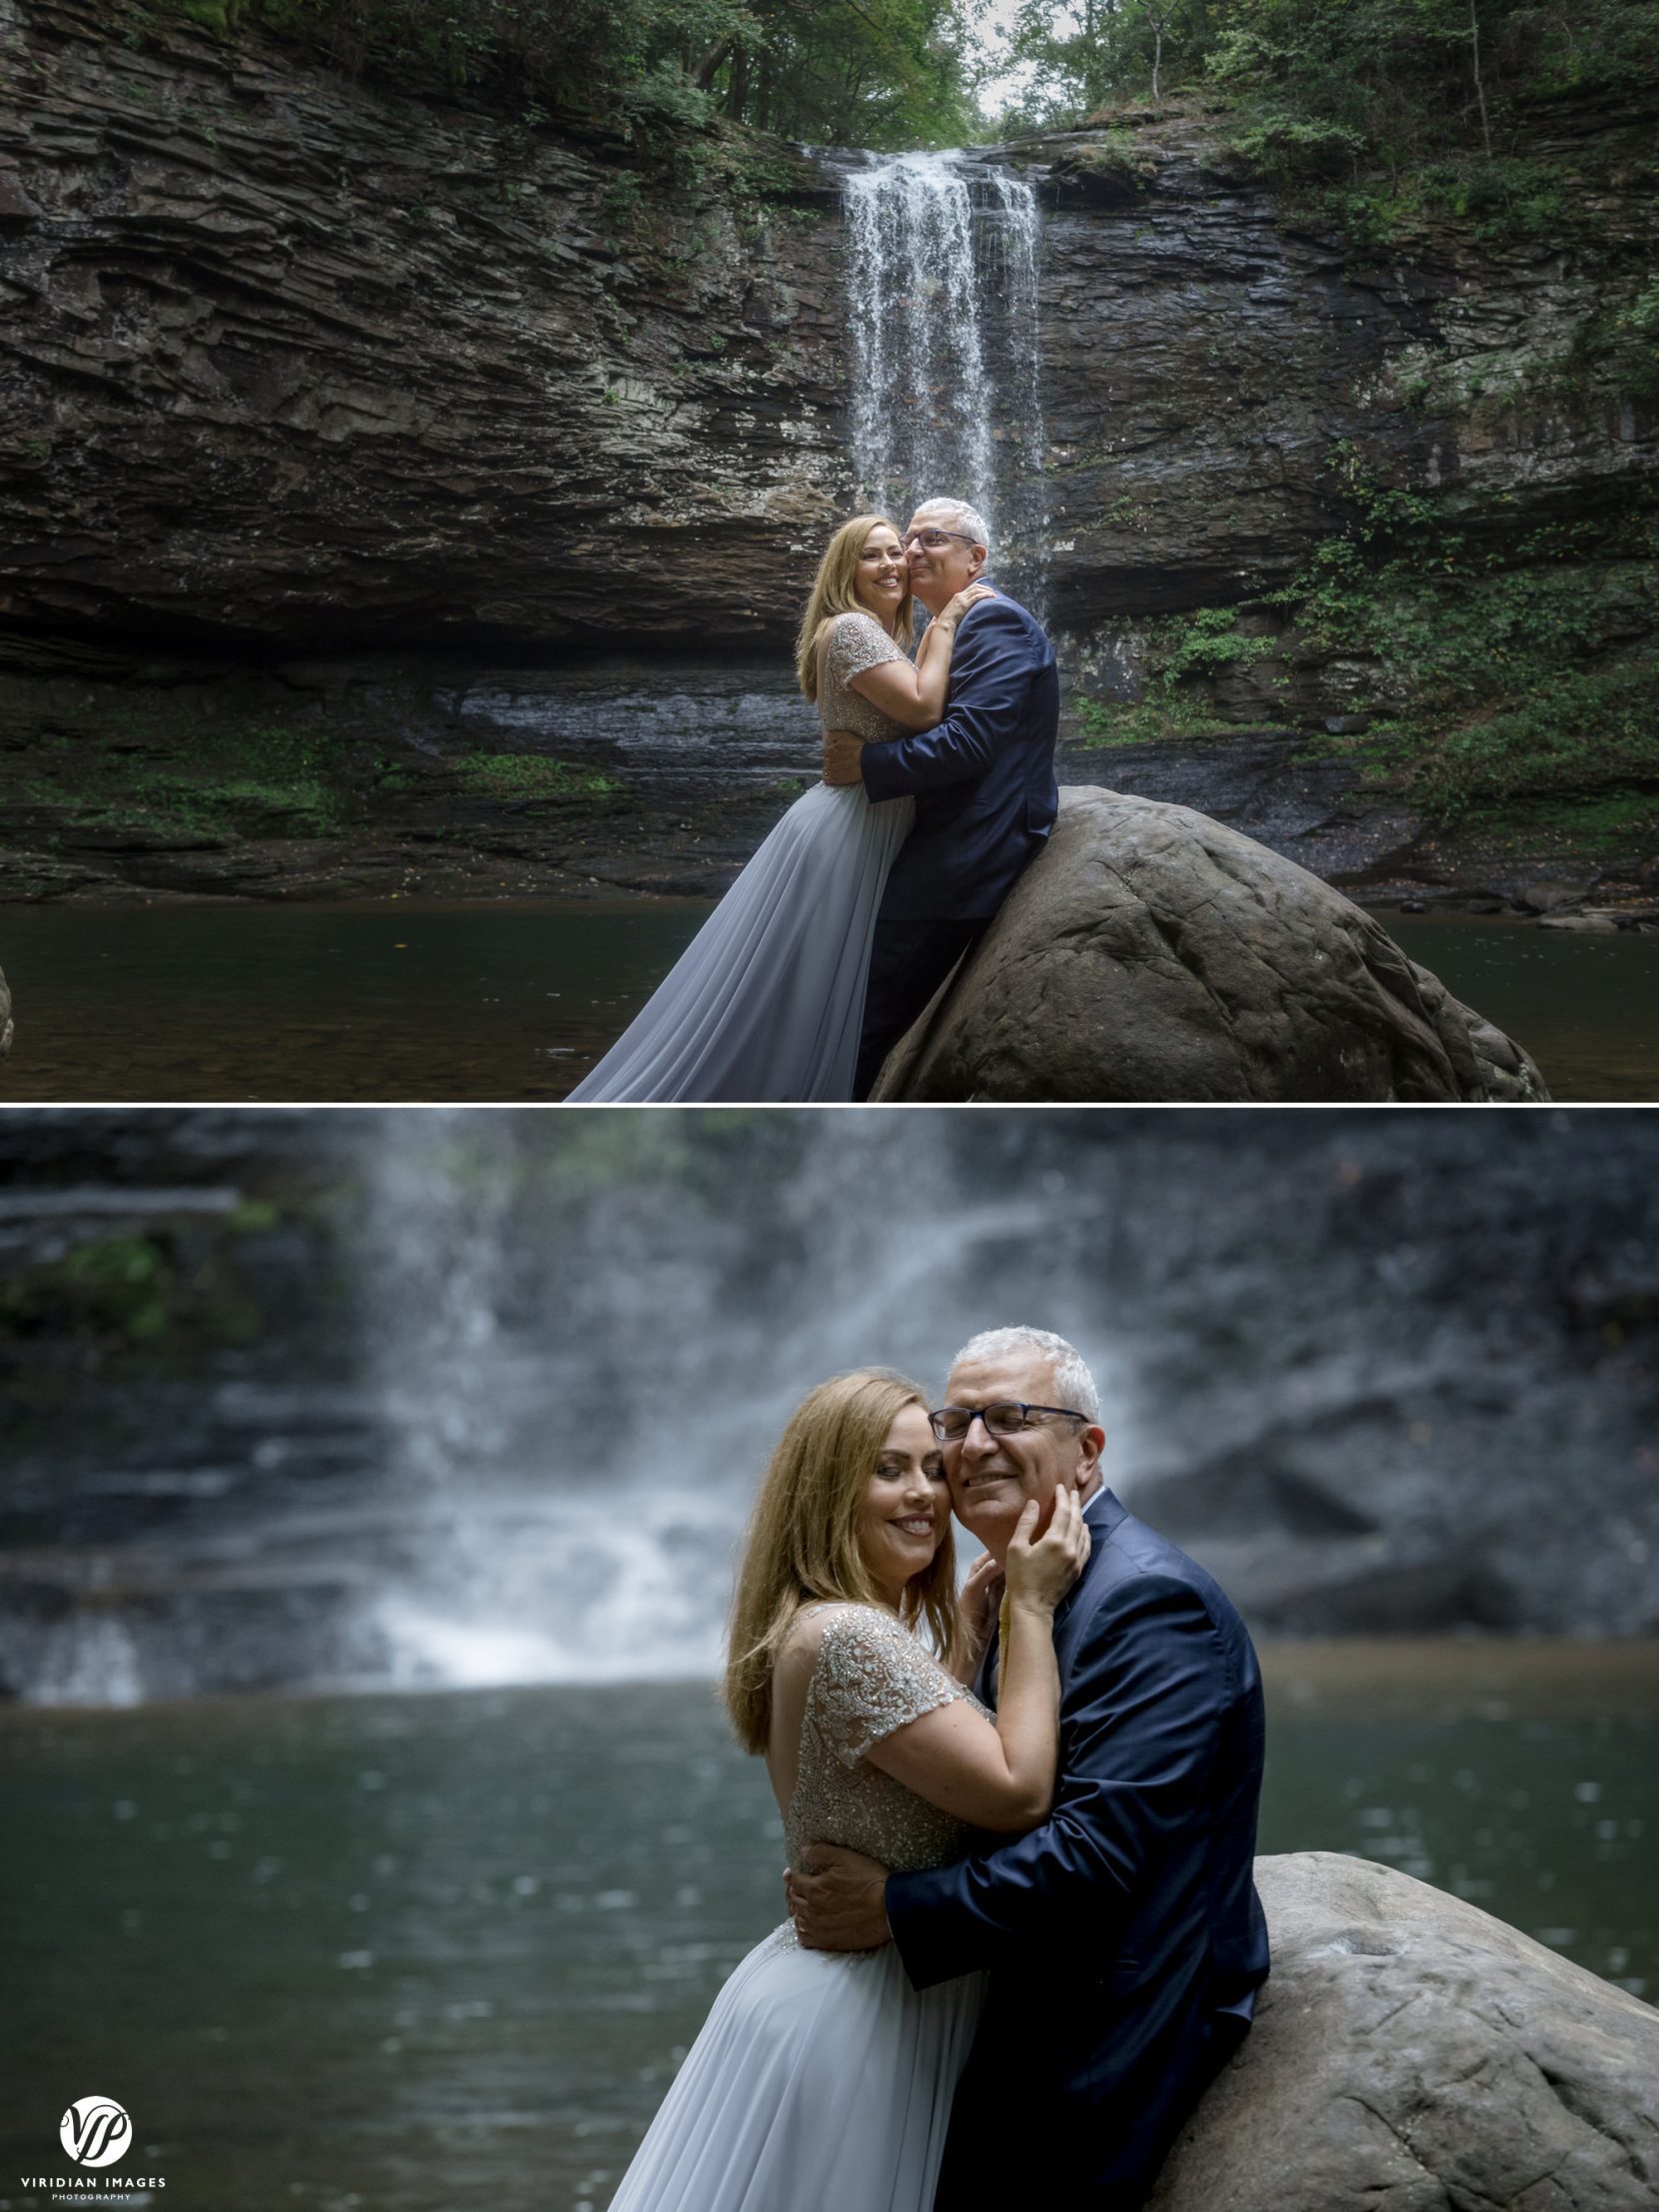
(766, 1003)
(821, 2082)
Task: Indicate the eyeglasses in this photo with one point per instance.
(931, 539)
(1006, 1418)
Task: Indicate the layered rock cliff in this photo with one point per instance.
(304, 363)
(293, 362)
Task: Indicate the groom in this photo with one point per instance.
(1123, 1939)
(983, 780)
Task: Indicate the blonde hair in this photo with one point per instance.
(803, 1537)
(836, 591)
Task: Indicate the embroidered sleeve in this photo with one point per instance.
(872, 1677)
(855, 642)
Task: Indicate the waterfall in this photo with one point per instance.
(578, 1406)
(519, 1374)
(943, 304)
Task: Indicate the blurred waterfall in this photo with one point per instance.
(509, 1380)
(576, 1432)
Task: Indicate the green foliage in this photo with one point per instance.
(122, 1283)
(1623, 342)
(528, 778)
(1211, 640)
(168, 1288)
(1154, 719)
(160, 778)
(1179, 649)
(876, 73)
(1380, 115)
(1502, 672)
(1577, 730)
(213, 15)
(1499, 680)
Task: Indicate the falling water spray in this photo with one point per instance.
(942, 303)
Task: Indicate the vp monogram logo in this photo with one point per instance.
(95, 2131)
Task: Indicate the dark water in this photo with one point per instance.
(1586, 1008)
(336, 1005)
(418, 1953)
(516, 1001)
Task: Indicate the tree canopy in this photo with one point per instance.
(1328, 82)
(1321, 92)
(876, 73)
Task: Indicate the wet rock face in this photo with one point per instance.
(299, 361)
(6, 1024)
(290, 359)
(1409, 2049)
(293, 361)
(1148, 953)
(1203, 358)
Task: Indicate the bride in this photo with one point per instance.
(767, 1001)
(821, 2081)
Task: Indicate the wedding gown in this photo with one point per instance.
(821, 2081)
(767, 1001)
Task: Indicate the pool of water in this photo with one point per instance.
(515, 1001)
(336, 1004)
(419, 1952)
(1585, 1007)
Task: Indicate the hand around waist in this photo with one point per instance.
(837, 1899)
(841, 757)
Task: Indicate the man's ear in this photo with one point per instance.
(1091, 1442)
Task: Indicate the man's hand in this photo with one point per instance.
(977, 1604)
(840, 757)
(836, 1900)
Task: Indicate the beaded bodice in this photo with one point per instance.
(872, 1677)
(855, 642)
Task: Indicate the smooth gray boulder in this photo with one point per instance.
(1413, 2054)
(1150, 955)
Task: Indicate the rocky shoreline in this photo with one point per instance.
(173, 780)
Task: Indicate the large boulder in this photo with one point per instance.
(1149, 954)
(1411, 2053)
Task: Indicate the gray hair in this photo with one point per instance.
(957, 514)
(1072, 1381)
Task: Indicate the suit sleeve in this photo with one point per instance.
(993, 662)
(1141, 1721)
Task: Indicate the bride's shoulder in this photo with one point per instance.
(855, 641)
(852, 623)
(850, 1646)
(837, 1624)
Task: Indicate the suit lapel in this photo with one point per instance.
(984, 1682)
(1103, 1513)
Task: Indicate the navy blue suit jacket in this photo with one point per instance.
(1123, 1938)
(983, 780)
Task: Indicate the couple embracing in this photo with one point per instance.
(938, 789)
(1021, 1823)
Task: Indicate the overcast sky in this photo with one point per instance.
(995, 31)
